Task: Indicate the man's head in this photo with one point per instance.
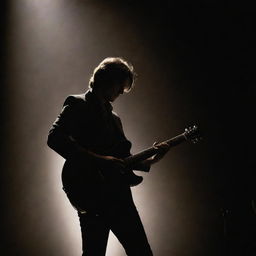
(112, 77)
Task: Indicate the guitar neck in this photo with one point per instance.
(143, 155)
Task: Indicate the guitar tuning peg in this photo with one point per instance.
(195, 140)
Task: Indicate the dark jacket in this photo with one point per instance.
(85, 122)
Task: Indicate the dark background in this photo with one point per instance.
(195, 64)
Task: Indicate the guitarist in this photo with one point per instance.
(89, 135)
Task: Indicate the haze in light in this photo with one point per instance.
(52, 51)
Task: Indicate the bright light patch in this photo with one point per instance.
(70, 229)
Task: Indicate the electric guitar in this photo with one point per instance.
(85, 185)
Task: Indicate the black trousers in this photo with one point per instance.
(119, 215)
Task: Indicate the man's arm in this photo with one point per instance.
(61, 138)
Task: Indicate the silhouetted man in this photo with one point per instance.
(89, 135)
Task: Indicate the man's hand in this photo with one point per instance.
(162, 148)
(111, 162)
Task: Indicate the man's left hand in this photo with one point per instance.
(162, 148)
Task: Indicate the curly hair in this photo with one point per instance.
(111, 71)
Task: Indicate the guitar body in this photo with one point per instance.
(87, 185)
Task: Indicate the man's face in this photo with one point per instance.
(115, 90)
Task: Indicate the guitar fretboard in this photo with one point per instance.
(143, 155)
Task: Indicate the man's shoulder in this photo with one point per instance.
(115, 115)
(74, 99)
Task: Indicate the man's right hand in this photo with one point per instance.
(111, 162)
(106, 162)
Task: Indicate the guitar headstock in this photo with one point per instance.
(192, 134)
